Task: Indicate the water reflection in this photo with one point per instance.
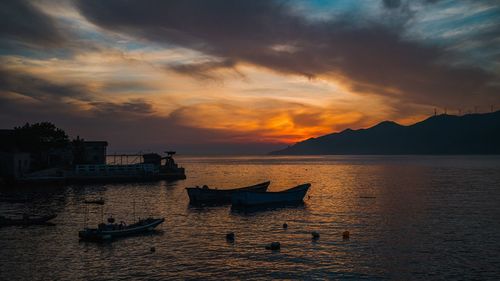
(278, 207)
(432, 217)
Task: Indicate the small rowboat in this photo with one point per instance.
(289, 196)
(113, 230)
(205, 195)
(26, 220)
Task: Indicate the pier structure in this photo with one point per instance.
(133, 167)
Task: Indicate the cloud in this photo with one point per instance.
(128, 109)
(205, 70)
(14, 82)
(23, 22)
(130, 126)
(130, 123)
(262, 124)
(267, 120)
(391, 4)
(371, 57)
(123, 70)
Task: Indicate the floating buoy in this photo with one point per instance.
(315, 235)
(285, 225)
(345, 235)
(230, 236)
(273, 246)
(153, 249)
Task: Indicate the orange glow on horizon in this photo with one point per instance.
(283, 109)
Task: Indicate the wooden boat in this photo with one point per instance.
(251, 198)
(26, 220)
(112, 230)
(205, 195)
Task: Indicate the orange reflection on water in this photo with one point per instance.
(408, 216)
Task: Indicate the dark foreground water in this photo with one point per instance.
(431, 218)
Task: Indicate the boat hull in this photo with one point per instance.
(26, 222)
(291, 196)
(102, 235)
(198, 196)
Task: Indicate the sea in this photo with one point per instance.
(408, 218)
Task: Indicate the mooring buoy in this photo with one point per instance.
(285, 225)
(152, 249)
(315, 235)
(230, 236)
(273, 246)
(345, 235)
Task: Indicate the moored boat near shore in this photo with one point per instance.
(26, 220)
(206, 195)
(113, 230)
(247, 198)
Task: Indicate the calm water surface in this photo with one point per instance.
(431, 218)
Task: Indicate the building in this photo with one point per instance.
(78, 160)
(7, 140)
(14, 165)
(57, 157)
(89, 152)
(95, 152)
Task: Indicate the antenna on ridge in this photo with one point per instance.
(435, 111)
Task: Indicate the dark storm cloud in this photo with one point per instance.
(21, 21)
(373, 57)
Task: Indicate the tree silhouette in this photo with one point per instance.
(40, 137)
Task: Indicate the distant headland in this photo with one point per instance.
(441, 134)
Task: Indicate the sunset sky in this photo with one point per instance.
(253, 76)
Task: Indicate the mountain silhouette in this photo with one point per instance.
(441, 134)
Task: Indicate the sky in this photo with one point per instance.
(242, 77)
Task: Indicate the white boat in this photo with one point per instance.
(252, 198)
